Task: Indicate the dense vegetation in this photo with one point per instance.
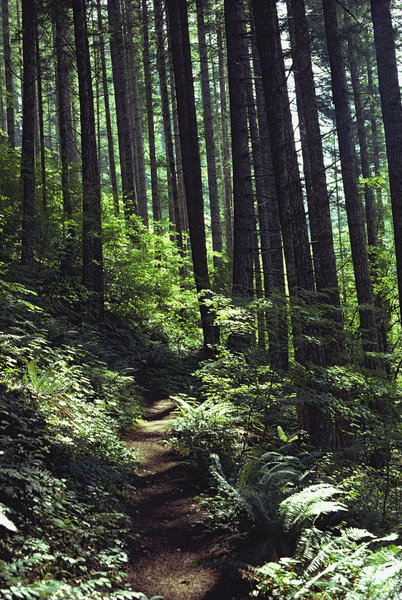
(205, 198)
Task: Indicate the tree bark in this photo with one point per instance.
(92, 223)
(110, 144)
(9, 75)
(40, 123)
(156, 205)
(392, 117)
(209, 145)
(167, 126)
(349, 176)
(135, 110)
(227, 177)
(319, 209)
(28, 133)
(269, 215)
(122, 108)
(243, 226)
(180, 44)
(64, 108)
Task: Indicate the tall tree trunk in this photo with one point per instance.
(134, 100)
(41, 125)
(392, 117)
(243, 226)
(372, 238)
(122, 108)
(323, 244)
(3, 121)
(287, 181)
(349, 176)
(64, 109)
(167, 126)
(180, 44)
(269, 211)
(9, 75)
(209, 143)
(28, 133)
(156, 205)
(376, 150)
(92, 220)
(110, 144)
(227, 177)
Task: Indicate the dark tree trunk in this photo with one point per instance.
(156, 205)
(110, 144)
(269, 215)
(92, 221)
(287, 181)
(9, 75)
(376, 150)
(319, 209)
(28, 132)
(209, 144)
(180, 44)
(243, 226)
(41, 124)
(122, 108)
(167, 126)
(392, 117)
(349, 176)
(3, 121)
(135, 109)
(371, 224)
(64, 109)
(227, 177)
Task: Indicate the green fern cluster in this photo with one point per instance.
(341, 564)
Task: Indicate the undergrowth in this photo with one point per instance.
(65, 473)
(322, 520)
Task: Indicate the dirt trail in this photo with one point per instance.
(170, 543)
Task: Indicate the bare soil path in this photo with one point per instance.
(170, 546)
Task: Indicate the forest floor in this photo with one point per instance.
(172, 539)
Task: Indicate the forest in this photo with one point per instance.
(200, 299)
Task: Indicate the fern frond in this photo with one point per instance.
(309, 503)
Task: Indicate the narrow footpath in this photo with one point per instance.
(171, 541)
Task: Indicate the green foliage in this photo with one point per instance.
(65, 474)
(341, 564)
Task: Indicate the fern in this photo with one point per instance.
(310, 503)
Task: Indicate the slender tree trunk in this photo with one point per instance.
(64, 109)
(3, 121)
(319, 209)
(156, 205)
(181, 192)
(209, 143)
(376, 151)
(41, 125)
(137, 135)
(243, 226)
(269, 214)
(122, 108)
(227, 177)
(371, 224)
(110, 144)
(392, 117)
(9, 75)
(92, 221)
(349, 176)
(180, 44)
(28, 133)
(167, 126)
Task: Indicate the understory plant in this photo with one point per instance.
(66, 476)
